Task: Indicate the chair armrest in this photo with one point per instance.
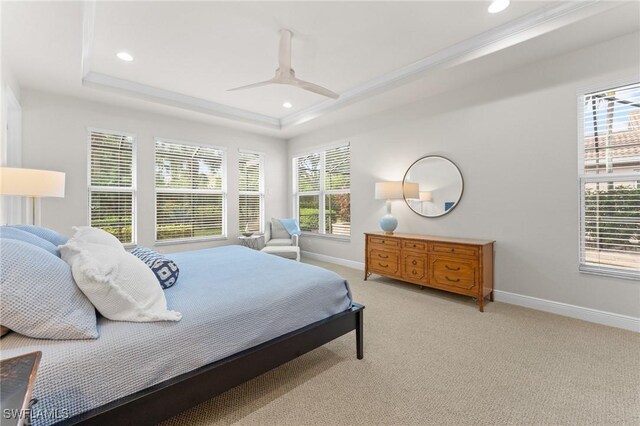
(294, 240)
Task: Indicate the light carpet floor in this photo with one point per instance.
(432, 358)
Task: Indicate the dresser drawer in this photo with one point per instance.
(414, 267)
(456, 249)
(384, 243)
(414, 245)
(383, 256)
(454, 272)
(384, 267)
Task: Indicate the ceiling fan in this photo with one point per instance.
(286, 75)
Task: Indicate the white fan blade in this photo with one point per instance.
(251, 86)
(314, 88)
(284, 52)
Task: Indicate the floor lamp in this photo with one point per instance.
(31, 183)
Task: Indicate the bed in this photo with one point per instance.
(244, 313)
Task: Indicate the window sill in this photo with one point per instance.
(190, 240)
(613, 272)
(327, 237)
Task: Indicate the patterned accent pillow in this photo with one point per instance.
(166, 270)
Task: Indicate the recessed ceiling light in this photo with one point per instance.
(498, 6)
(125, 56)
(287, 105)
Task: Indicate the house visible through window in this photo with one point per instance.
(190, 191)
(322, 187)
(609, 178)
(112, 184)
(251, 191)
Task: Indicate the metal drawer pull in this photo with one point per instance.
(457, 280)
(383, 257)
(386, 265)
(452, 269)
(414, 246)
(414, 272)
(414, 263)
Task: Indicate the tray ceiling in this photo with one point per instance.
(187, 54)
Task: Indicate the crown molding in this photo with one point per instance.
(167, 97)
(88, 25)
(538, 22)
(501, 37)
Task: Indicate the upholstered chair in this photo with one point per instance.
(277, 235)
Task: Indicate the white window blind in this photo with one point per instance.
(610, 182)
(190, 191)
(251, 191)
(112, 184)
(322, 191)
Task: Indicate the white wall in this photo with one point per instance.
(55, 138)
(514, 137)
(11, 208)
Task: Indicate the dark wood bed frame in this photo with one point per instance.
(171, 397)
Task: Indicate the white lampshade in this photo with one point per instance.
(388, 190)
(426, 196)
(31, 182)
(411, 190)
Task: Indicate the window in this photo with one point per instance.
(322, 191)
(112, 184)
(610, 198)
(251, 191)
(190, 191)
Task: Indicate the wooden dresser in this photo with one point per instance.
(458, 265)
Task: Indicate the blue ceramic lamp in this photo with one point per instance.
(393, 191)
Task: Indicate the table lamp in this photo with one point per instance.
(31, 183)
(388, 191)
(426, 196)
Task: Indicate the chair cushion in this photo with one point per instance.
(165, 270)
(118, 284)
(50, 235)
(278, 231)
(38, 296)
(290, 252)
(28, 237)
(278, 242)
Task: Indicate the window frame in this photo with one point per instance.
(223, 192)
(583, 179)
(322, 192)
(261, 185)
(134, 180)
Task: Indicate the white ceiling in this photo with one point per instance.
(197, 50)
(205, 48)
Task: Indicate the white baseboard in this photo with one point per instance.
(586, 314)
(343, 262)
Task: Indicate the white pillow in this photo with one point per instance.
(87, 234)
(119, 285)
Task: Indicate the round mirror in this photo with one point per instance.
(432, 186)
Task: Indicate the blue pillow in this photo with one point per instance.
(166, 270)
(27, 237)
(38, 296)
(50, 235)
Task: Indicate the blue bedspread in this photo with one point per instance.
(231, 298)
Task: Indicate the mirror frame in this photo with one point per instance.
(461, 190)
